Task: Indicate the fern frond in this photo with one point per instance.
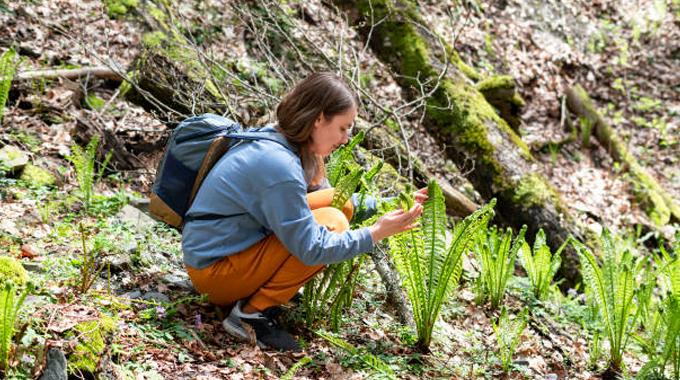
(291, 372)
(336, 162)
(345, 187)
(368, 359)
(7, 67)
(508, 333)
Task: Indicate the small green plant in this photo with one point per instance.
(541, 265)
(7, 67)
(613, 286)
(508, 332)
(495, 257)
(428, 268)
(382, 369)
(586, 130)
(554, 150)
(291, 372)
(9, 309)
(89, 266)
(83, 161)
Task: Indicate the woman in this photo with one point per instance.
(278, 235)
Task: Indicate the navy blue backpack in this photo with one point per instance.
(192, 150)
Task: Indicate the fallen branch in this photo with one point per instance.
(660, 206)
(72, 74)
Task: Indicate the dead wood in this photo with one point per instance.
(121, 158)
(72, 74)
(660, 206)
(465, 123)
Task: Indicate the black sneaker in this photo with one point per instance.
(267, 330)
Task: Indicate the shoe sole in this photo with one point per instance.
(238, 332)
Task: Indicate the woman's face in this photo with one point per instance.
(329, 134)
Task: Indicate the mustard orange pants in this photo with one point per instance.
(266, 273)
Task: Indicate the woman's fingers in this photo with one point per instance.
(421, 195)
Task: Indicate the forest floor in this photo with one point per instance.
(142, 319)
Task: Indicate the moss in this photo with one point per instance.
(119, 8)
(93, 102)
(532, 189)
(464, 67)
(154, 39)
(36, 177)
(91, 344)
(517, 100)
(12, 270)
(505, 82)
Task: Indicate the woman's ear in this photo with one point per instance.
(319, 120)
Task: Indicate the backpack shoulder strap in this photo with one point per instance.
(265, 135)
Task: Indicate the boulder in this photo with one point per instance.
(56, 366)
(14, 158)
(36, 176)
(135, 216)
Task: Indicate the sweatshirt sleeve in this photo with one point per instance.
(290, 218)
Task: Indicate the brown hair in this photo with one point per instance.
(321, 93)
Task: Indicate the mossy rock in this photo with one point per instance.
(13, 158)
(91, 345)
(35, 176)
(12, 270)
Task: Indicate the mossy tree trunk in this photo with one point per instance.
(462, 120)
(660, 206)
(167, 77)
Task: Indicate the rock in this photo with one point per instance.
(13, 158)
(179, 280)
(56, 366)
(133, 295)
(37, 176)
(122, 261)
(158, 297)
(132, 214)
(140, 203)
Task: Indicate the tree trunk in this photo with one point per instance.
(462, 120)
(660, 206)
(167, 78)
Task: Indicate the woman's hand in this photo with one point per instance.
(395, 222)
(420, 196)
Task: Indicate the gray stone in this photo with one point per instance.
(158, 297)
(56, 366)
(134, 215)
(33, 266)
(133, 295)
(141, 203)
(122, 261)
(179, 280)
(14, 158)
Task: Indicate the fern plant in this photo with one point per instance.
(336, 162)
(9, 309)
(382, 369)
(89, 266)
(83, 161)
(540, 264)
(428, 268)
(495, 257)
(508, 332)
(613, 286)
(7, 67)
(327, 296)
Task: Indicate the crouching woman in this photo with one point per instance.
(278, 233)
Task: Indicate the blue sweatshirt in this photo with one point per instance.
(263, 184)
